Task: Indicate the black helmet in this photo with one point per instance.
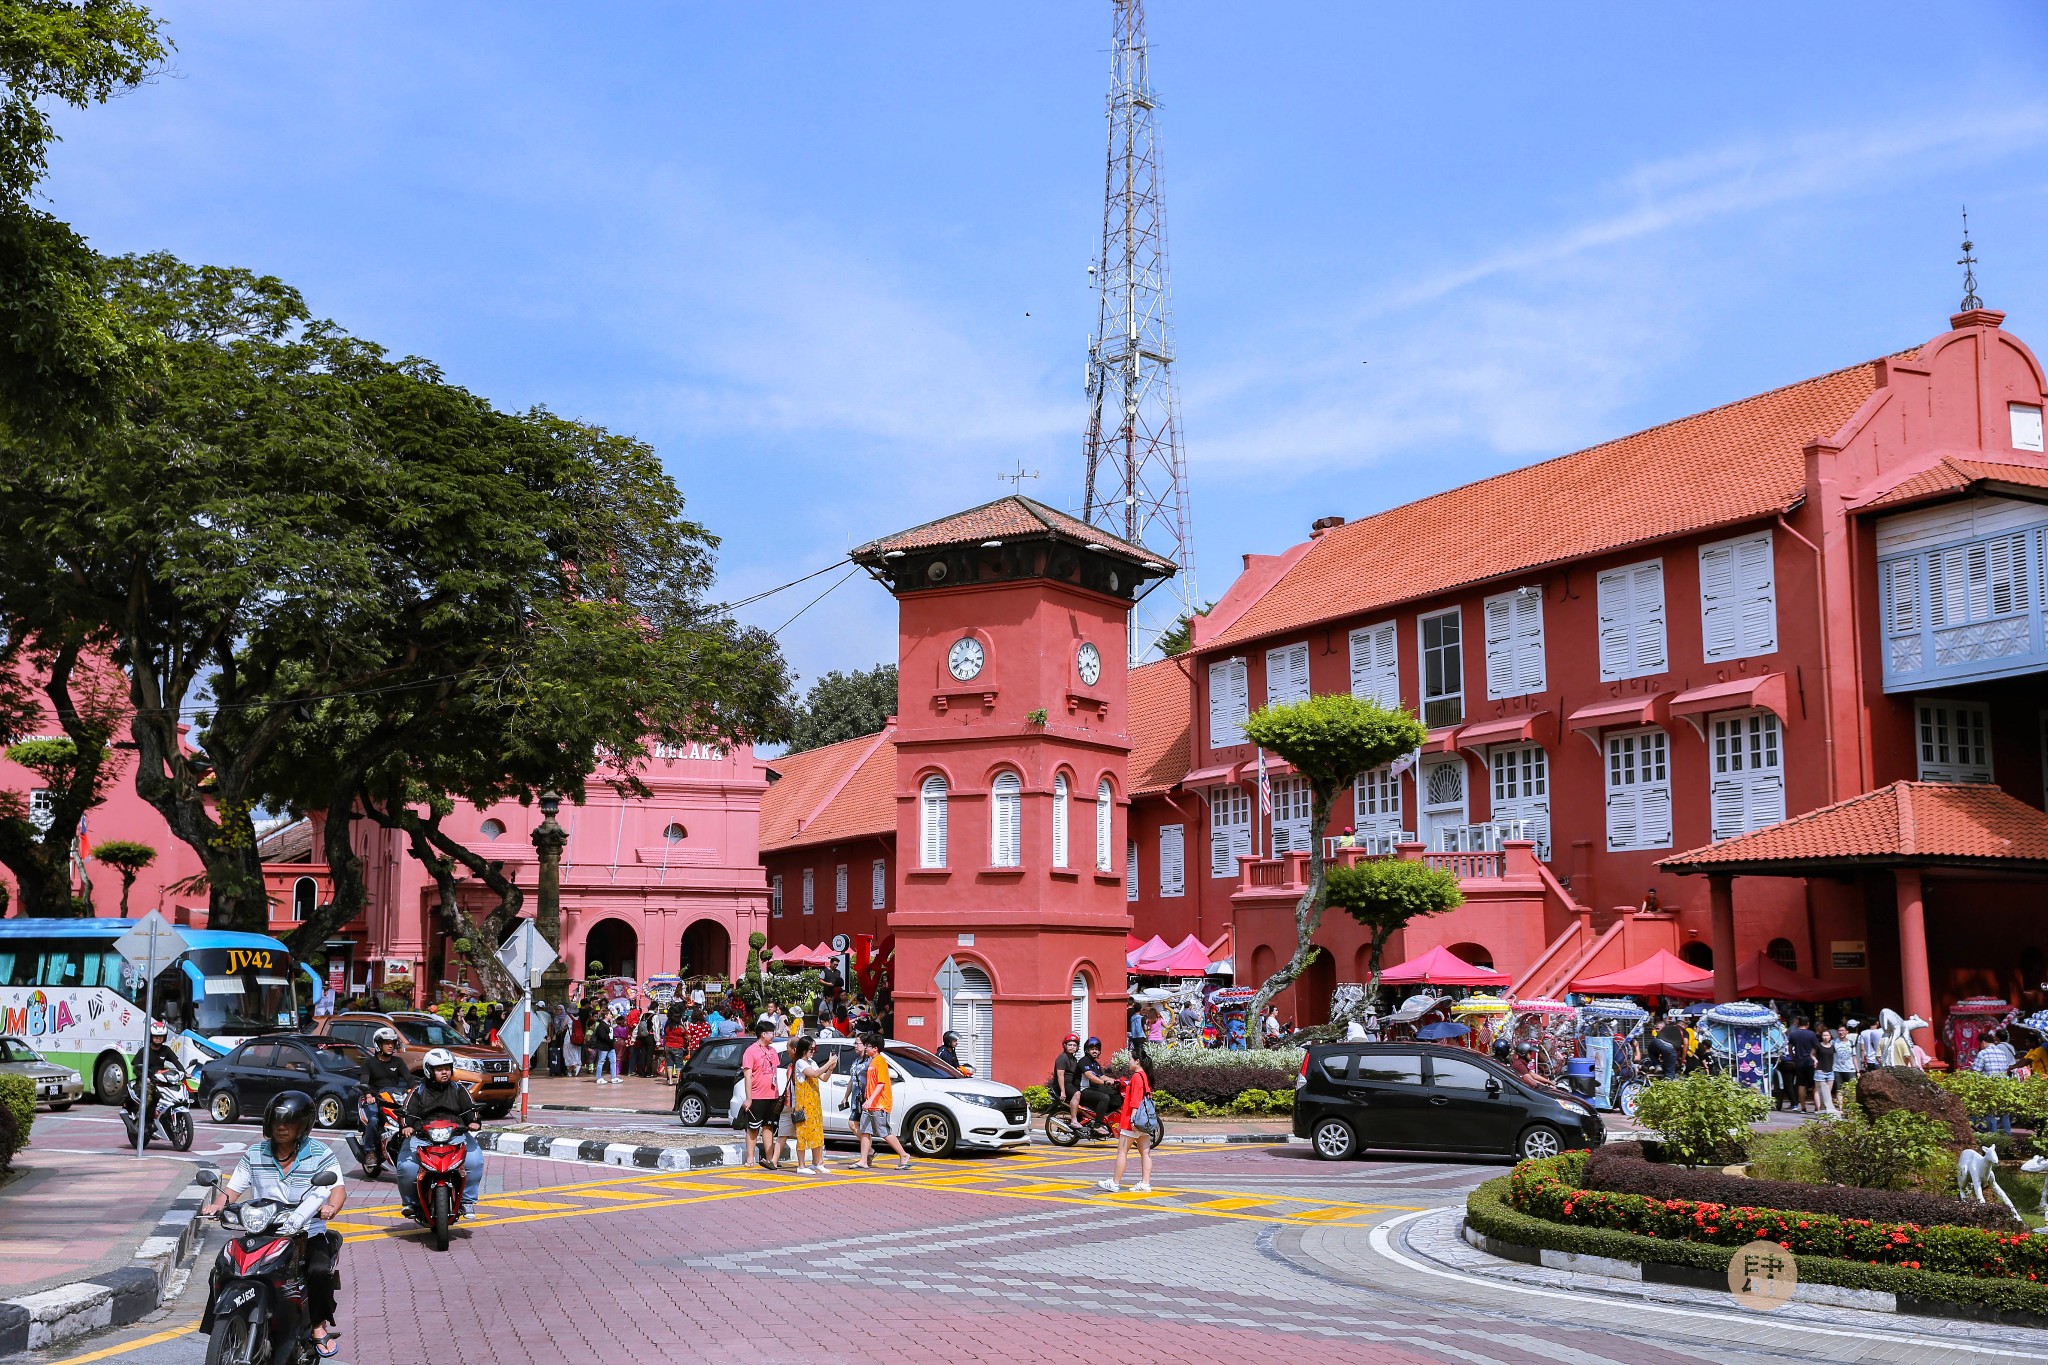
(951, 1037)
(1094, 1042)
(290, 1106)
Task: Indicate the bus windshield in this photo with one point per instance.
(233, 991)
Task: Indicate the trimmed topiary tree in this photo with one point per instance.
(1388, 894)
(127, 858)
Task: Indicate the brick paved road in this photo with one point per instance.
(1238, 1253)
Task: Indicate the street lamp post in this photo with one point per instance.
(549, 840)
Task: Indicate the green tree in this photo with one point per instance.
(1385, 895)
(75, 768)
(127, 858)
(844, 706)
(1331, 740)
(1179, 638)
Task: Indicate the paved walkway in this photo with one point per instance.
(81, 1204)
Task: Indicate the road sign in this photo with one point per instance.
(152, 944)
(840, 943)
(526, 955)
(515, 1026)
(950, 979)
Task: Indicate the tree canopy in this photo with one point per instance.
(1386, 895)
(844, 706)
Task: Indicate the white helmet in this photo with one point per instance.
(440, 1056)
(158, 1030)
(384, 1035)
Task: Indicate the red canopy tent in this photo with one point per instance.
(1659, 974)
(1187, 958)
(1757, 977)
(1154, 947)
(1442, 967)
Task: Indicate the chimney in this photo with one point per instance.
(1322, 524)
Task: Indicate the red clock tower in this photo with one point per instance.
(1011, 798)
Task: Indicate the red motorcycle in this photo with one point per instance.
(375, 1141)
(438, 1193)
(256, 1300)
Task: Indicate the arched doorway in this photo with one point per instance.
(1312, 995)
(611, 948)
(707, 949)
(969, 1010)
(1781, 951)
(1700, 955)
(1478, 954)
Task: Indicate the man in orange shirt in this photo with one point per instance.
(876, 1097)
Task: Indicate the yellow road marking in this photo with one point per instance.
(1227, 1205)
(1329, 1215)
(499, 1202)
(108, 1352)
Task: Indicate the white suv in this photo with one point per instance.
(933, 1108)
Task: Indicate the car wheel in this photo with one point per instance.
(327, 1112)
(1333, 1140)
(110, 1081)
(223, 1107)
(931, 1133)
(1540, 1142)
(497, 1111)
(692, 1110)
(60, 1108)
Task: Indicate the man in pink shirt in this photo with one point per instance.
(761, 1072)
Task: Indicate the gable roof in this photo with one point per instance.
(1905, 823)
(1953, 475)
(1727, 465)
(841, 791)
(1162, 698)
(1012, 516)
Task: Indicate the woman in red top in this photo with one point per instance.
(1131, 1132)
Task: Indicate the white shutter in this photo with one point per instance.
(1131, 869)
(1647, 582)
(775, 895)
(1376, 664)
(1006, 843)
(810, 896)
(1377, 802)
(1521, 790)
(1221, 864)
(1230, 829)
(1500, 646)
(1228, 703)
(1738, 598)
(1292, 813)
(1655, 814)
(1623, 821)
(1059, 821)
(1728, 804)
(1720, 609)
(1756, 580)
(1617, 626)
(1105, 815)
(1077, 1010)
(1530, 675)
(878, 892)
(1632, 638)
(932, 823)
(1287, 674)
(1638, 790)
(1173, 860)
(1766, 800)
(839, 891)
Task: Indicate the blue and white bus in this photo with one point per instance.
(66, 992)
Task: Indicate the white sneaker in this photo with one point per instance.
(1108, 1185)
(1142, 1187)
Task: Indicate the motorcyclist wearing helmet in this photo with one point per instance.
(949, 1053)
(1066, 1074)
(1099, 1089)
(282, 1166)
(385, 1071)
(438, 1095)
(152, 1057)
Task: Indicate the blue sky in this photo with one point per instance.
(830, 258)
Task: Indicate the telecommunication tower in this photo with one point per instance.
(1137, 484)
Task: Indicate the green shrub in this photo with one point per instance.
(1038, 1097)
(1995, 1096)
(18, 1095)
(1251, 1102)
(1783, 1156)
(1902, 1150)
(1167, 1104)
(1490, 1212)
(1702, 1118)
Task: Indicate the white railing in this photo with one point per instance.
(1490, 836)
(1377, 845)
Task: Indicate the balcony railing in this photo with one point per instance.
(1489, 836)
(1469, 866)
(1288, 872)
(1965, 611)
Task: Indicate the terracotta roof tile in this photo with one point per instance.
(842, 791)
(1952, 475)
(1162, 704)
(1913, 822)
(1715, 468)
(1015, 515)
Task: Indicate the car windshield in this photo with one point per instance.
(339, 1056)
(922, 1064)
(430, 1033)
(12, 1050)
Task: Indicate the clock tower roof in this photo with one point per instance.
(1009, 518)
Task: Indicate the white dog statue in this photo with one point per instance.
(1974, 1169)
(2038, 1165)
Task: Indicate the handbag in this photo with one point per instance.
(797, 1113)
(1145, 1116)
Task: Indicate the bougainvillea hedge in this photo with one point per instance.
(1553, 1189)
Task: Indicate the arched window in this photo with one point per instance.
(305, 897)
(492, 829)
(1698, 954)
(673, 834)
(1006, 821)
(1077, 1019)
(1105, 817)
(1059, 821)
(1781, 951)
(931, 822)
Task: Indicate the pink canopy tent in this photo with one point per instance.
(801, 956)
(1757, 977)
(1156, 947)
(1658, 974)
(1187, 958)
(1442, 967)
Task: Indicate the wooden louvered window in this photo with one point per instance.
(1229, 703)
(1105, 824)
(1287, 675)
(1006, 821)
(1748, 790)
(931, 822)
(1376, 663)
(1638, 790)
(1955, 741)
(1059, 820)
(1173, 860)
(1632, 639)
(1738, 598)
(1514, 643)
(1230, 829)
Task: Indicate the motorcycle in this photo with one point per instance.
(1062, 1131)
(171, 1092)
(378, 1114)
(256, 1298)
(437, 1195)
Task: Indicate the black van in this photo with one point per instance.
(1420, 1097)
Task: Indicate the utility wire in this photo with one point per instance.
(815, 600)
(749, 601)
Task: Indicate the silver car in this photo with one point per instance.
(57, 1086)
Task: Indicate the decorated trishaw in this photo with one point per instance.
(1416, 1012)
(1485, 1015)
(1969, 1025)
(1550, 1027)
(1604, 1073)
(1748, 1041)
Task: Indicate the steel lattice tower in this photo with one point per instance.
(1137, 473)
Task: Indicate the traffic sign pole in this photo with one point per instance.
(148, 1019)
(526, 954)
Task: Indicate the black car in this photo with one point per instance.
(1422, 1098)
(243, 1082)
(705, 1086)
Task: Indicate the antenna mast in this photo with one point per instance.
(1137, 484)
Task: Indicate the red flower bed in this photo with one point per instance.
(1550, 1190)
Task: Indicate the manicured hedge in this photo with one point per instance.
(18, 1099)
(1488, 1211)
(1553, 1189)
(1217, 1082)
(1619, 1167)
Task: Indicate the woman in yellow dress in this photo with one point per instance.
(809, 1105)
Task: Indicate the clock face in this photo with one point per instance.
(965, 658)
(1089, 661)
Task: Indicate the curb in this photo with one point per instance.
(1692, 1277)
(611, 1153)
(601, 1109)
(113, 1298)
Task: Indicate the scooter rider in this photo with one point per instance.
(153, 1056)
(282, 1167)
(438, 1094)
(385, 1071)
(1066, 1074)
(1099, 1089)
